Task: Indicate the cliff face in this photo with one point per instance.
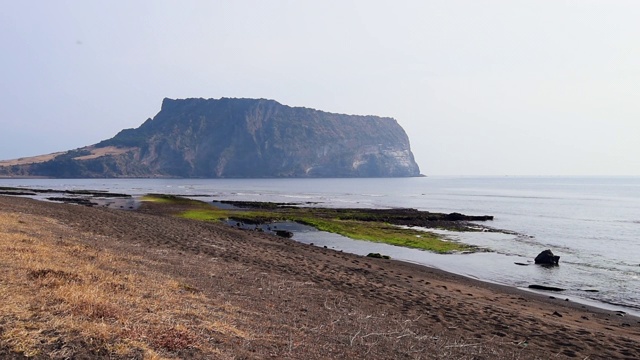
(239, 138)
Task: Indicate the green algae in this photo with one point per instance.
(173, 200)
(330, 221)
(386, 233)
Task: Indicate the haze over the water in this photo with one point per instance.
(481, 87)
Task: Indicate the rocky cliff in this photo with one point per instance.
(235, 138)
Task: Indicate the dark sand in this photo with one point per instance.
(309, 302)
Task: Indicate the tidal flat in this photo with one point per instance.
(389, 226)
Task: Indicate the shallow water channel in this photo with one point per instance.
(464, 264)
(485, 266)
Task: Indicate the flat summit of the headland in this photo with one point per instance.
(236, 138)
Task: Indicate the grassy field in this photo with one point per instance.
(56, 288)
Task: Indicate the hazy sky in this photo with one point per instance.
(481, 87)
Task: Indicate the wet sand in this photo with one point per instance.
(310, 302)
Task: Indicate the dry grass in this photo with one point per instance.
(30, 160)
(95, 153)
(104, 151)
(59, 293)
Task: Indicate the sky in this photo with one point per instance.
(540, 87)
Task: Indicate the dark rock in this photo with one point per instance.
(284, 233)
(16, 193)
(96, 193)
(69, 200)
(544, 287)
(461, 217)
(397, 216)
(521, 264)
(555, 313)
(378, 256)
(547, 258)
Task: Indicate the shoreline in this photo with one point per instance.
(594, 304)
(132, 202)
(548, 298)
(333, 303)
(442, 262)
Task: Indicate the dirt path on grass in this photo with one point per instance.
(298, 301)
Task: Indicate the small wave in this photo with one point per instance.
(560, 217)
(610, 268)
(508, 196)
(301, 196)
(620, 303)
(527, 239)
(539, 197)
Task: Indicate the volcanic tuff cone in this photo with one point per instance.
(237, 138)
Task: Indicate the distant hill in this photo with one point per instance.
(236, 138)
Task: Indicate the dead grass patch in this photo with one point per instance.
(57, 291)
(173, 338)
(30, 160)
(104, 151)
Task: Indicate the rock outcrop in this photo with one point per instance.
(547, 258)
(237, 138)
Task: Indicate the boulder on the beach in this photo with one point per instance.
(378, 256)
(284, 233)
(547, 258)
(544, 287)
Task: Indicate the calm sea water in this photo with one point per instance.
(592, 223)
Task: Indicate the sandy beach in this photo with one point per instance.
(271, 297)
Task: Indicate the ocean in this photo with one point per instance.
(592, 223)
